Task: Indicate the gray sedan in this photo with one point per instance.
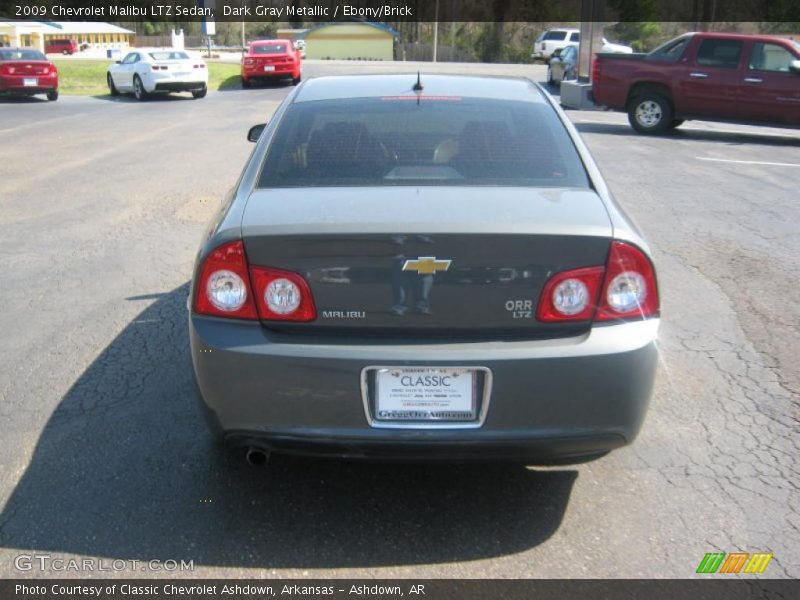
(428, 268)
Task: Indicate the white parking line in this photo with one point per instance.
(749, 162)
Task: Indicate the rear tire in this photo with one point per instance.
(296, 80)
(197, 94)
(650, 113)
(52, 96)
(112, 89)
(138, 88)
(246, 84)
(676, 123)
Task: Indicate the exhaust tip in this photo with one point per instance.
(257, 457)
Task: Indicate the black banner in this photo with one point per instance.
(403, 10)
(426, 589)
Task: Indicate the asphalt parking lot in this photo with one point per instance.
(104, 454)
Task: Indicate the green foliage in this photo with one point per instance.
(642, 36)
(781, 27)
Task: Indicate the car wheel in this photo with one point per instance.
(52, 95)
(676, 123)
(246, 83)
(112, 89)
(650, 113)
(296, 80)
(64, 52)
(197, 94)
(138, 88)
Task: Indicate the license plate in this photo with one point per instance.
(425, 394)
(30, 82)
(269, 68)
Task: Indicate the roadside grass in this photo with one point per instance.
(82, 77)
(224, 76)
(88, 77)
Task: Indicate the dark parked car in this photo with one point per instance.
(26, 72)
(427, 268)
(709, 76)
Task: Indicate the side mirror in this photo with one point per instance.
(794, 66)
(255, 132)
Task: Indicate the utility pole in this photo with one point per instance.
(435, 29)
(244, 3)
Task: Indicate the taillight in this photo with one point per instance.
(223, 287)
(625, 288)
(630, 288)
(8, 70)
(570, 295)
(282, 295)
(249, 61)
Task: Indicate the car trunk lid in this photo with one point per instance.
(434, 261)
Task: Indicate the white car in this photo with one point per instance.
(558, 39)
(616, 48)
(301, 46)
(146, 71)
(552, 40)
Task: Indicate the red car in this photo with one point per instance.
(61, 47)
(708, 76)
(26, 72)
(271, 59)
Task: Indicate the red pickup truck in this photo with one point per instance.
(709, 76)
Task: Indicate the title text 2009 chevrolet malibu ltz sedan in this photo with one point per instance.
(427, 269)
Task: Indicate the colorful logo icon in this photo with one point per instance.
(427, 265)
(735, 562)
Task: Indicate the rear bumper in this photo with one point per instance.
(531, 448)
(280, 71)
(171, 82)
(179, 86)
(10, 84)
(549, 400)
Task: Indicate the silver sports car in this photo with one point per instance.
(425, 267)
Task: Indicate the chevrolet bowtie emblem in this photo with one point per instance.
(426, 265)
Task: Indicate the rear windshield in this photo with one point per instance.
(269, 49)
(555, 36)
(436, 140)
(168, 55)
(671, 51)
(21, 55)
